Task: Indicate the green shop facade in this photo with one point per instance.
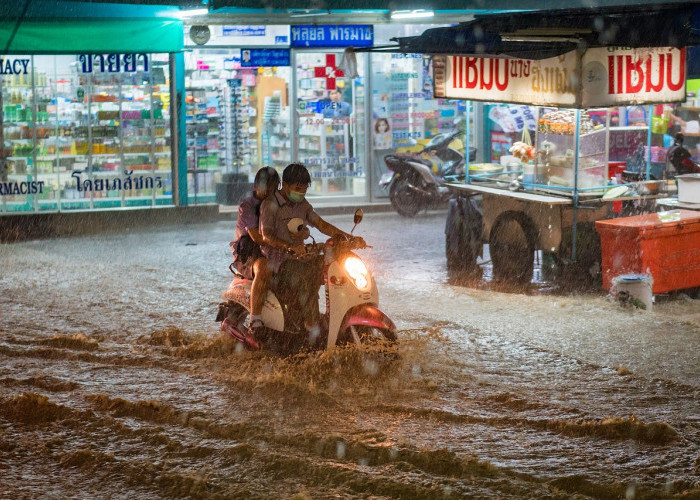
(87, 118)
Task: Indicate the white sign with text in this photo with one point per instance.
(601, 77)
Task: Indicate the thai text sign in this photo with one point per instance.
(113, 63)
(329, 35)
(600, 77)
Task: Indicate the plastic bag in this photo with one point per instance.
(348, 63)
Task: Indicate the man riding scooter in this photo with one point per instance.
(295, 280)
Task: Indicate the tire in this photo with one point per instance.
(403, 198)
(366, 335)
(512, 248)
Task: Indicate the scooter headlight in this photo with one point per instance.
(357, 272)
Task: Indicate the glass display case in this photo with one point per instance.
(82, 137)
(237, 122)
(205, 147)
(558, 153)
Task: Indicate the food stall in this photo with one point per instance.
(576, 66)
(558, 184)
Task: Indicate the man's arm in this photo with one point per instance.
(328, 229)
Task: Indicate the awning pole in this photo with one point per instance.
(466, 140)
(577, 141)
(648, 155)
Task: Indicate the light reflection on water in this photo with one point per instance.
(114, 381)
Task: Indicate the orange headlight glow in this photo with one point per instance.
(357, 272)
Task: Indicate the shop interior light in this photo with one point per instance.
(192, 13)
(411, 14)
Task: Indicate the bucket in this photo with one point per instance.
(638, 286)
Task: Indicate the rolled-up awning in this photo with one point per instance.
(69, 27)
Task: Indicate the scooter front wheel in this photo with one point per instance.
(367, 335)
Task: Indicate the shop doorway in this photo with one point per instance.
(331, 128)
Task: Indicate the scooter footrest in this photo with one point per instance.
(236, 334)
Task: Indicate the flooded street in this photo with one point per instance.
(115, 382)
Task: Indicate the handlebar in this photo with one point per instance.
(338, 243)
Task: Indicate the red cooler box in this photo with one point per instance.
(669, 251)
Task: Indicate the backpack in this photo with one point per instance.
(247, 248)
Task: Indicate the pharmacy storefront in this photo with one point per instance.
(86, 115)
(272, 95)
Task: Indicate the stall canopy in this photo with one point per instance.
(539, 35)
(546, 34)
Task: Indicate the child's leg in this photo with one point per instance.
(261, 281)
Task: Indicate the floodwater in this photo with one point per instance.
(115, 382)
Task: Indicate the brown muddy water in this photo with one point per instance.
(115, 383)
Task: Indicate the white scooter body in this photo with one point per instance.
(345, 303)
(239, 292)
(347, 306)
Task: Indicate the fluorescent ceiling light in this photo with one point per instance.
(411, 14)
(191, 13)
(308, 12)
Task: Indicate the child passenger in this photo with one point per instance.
(247, 257)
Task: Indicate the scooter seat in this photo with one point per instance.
(395, 163)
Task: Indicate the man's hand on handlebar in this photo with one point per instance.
(358, 242)
(299, 249)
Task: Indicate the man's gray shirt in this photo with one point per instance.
(275, 214)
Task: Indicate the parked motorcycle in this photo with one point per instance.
(415, 184)
(352, 315)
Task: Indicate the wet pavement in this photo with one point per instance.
(115, 382)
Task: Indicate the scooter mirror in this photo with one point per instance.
(357, 219)
(358, 216)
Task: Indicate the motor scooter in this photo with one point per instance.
(415, 183)
(352, 314)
